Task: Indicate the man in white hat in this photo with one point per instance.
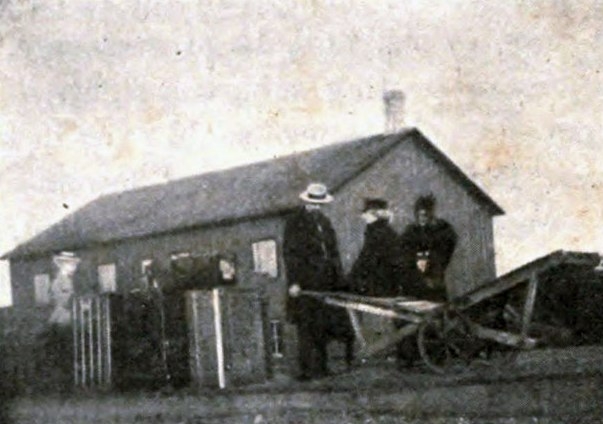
(312, 263)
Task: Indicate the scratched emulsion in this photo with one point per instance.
(103, 96)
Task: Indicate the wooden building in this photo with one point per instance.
(240, 213)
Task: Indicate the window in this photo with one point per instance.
(145, 265)
(181, 267)
(42, 289)
(145, 270)
(265, 258)
(107, 278)
(180, 255)
(276, 331)
(227, 269)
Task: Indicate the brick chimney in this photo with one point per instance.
(394, 101)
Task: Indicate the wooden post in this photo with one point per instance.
(528, 308)
(83, 342)
(196, 351)
(90, 342)
(109, 353)
(74, 323)
(502, 337)
(219, 338)
(388, 340)
(357, 327)
(99, 343)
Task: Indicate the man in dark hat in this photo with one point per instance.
(427, 245)
(376, 272)
(312, 263)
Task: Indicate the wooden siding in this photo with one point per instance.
(128, 255)
(27, 318)
(400, 178)
(236, 239)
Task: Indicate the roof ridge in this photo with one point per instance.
(236, 193)
(265, 161)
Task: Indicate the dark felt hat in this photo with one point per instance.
(427, 203)
(374, 204)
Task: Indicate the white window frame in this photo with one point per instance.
(42, 289)
(266, 265)
(103, 278)
(177, 255)
(145, 264)
(231, 262)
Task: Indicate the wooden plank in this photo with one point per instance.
(194, 333)
(109, 352)
(388, 340)
(528, 308)
(375, 310)
(523, 274)
(385, 307)
(507, 282)
(503, 337)
(243, 320)
(216, 302)
(356, 326)
(74, 324)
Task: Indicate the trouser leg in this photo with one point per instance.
(312, 351)
(349, 352)
(321, 356)
(305, 346)
(407, 351)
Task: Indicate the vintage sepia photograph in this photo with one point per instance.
(301, 211)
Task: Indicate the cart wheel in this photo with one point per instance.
(442, 343)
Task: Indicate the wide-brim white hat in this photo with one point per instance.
(66, 258)
(316, 193)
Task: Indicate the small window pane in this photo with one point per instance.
(145, 271)
(265, 258)
(42, 289)
(145, 264)
(107, 278)
(227, 269)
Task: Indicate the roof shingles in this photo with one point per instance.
(238, 193)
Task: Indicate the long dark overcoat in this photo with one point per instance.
(439, 239)
(312, 261)
(377, 271)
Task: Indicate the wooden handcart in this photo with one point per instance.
(449, 334)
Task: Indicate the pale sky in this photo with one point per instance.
(100, 96)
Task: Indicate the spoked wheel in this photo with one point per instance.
(443, 343)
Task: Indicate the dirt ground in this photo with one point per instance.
(561, 386)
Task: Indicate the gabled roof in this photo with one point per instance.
(259, 189)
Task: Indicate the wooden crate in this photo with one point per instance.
(227, 337)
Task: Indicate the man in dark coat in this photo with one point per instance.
(376, 272)
(312, 263)
(427, 246)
